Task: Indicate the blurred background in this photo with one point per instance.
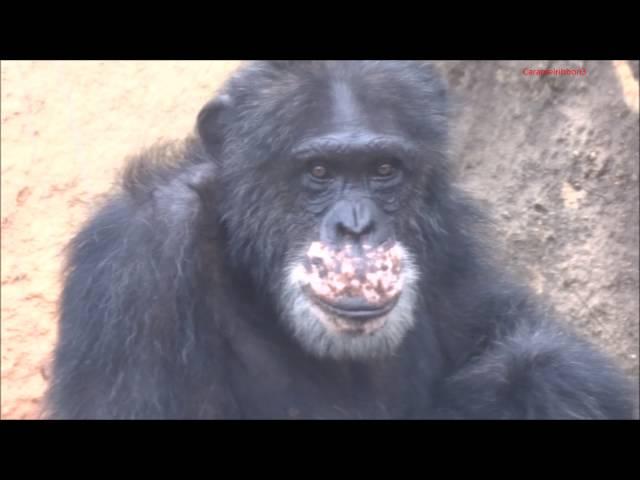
(553, 158)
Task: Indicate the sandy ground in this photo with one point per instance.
(68, 126)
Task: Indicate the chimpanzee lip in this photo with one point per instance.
(357, 316)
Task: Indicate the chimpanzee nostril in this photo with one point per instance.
(354, 229)
(355, 220)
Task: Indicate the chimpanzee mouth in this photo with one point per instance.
(355, 288)
(356, 309)
(353, 315)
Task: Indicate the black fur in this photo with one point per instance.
(168, 308)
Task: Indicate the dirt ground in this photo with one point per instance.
(66, 129)
(570, 226)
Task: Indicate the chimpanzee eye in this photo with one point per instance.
(385, 170)
(319, 171)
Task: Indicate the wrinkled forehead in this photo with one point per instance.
(351, 110)
(342, 114)
(356, 104)
(335, 109)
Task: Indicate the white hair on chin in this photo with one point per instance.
(303, 318)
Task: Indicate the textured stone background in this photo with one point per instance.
(556, 161)
(555, 158)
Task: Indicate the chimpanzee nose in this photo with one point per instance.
(353, 221)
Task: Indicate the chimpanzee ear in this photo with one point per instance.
(210, 123)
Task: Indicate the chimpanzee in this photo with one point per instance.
(306, 255)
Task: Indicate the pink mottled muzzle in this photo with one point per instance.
(354, 279)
